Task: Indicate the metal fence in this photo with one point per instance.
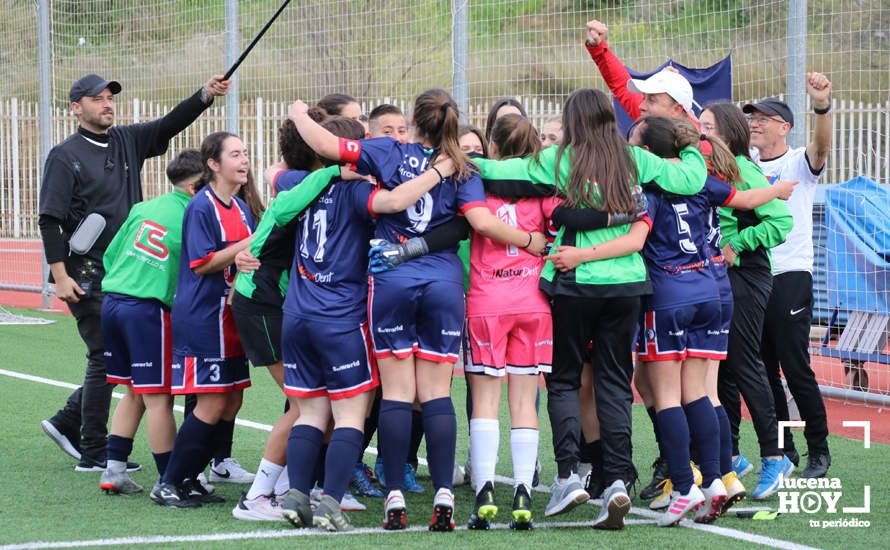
(389, 50)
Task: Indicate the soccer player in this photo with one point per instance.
(208, 357)
(386, 120)
(141, 265)
(257, 307)
(472, 142)
(594, 299)
(96, 170)
(417, 312)
(327, 348)
(551, 132)
(502, 107)
(746, 240)
(337, 104)
(786, 327)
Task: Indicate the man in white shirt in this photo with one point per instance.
(786, 327)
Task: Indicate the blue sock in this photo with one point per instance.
(318, 476)
(225, 433)
(303, 448)
(675, 446)
(725, 440)
(705, 434)
(190, 450)
(394, 432)
(161, 461)
(440, 428)
(653, 416)
(119, 448)
(343, 451)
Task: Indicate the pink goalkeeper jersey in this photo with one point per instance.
(503, 277)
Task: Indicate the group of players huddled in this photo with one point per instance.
(586, 247)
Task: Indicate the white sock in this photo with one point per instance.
(484, 440)
(116, 466)
(524, 444)
(282, 486)
(264, 482)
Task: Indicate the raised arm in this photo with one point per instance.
(819, 89)
(321, 141)
(611, 68)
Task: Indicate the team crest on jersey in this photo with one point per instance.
(150, 240)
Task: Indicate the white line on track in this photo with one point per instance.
(643, 512)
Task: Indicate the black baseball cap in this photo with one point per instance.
(90, 85)
(771, 106)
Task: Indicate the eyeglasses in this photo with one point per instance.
(760, 119)
(708, 128)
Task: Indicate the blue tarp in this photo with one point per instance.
(857, 219)
(709, 84)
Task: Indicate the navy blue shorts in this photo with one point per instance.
(138, 343)
(193, 374)
(414, 317)
(687, 331)
(327, 358)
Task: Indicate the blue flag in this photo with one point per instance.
(710, 84)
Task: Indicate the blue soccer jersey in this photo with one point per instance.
(719, 193)
(678, 251)
(285, 180)
(203, 325)
(329, 274)
(392, 164)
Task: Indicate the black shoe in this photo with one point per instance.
(817, 465)
(522, 510)
(89, 465)
(167, 494)
(195, 491)
(659, 474)
(536, 478)
(595, 483)
(485, 509)
(793, 456)
(67, 439)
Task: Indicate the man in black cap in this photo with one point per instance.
(90, 181)
(786, 326)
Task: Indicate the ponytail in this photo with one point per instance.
(515, 137)
(437, 119)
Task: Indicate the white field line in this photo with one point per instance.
(643, 512)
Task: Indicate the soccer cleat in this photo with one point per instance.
(195, 490)
(616, 505)
(348, 503)
(792, 455)
(202, 479)
(167, 494)
(458, 476)
(361, 484)
(68, 442)
(522, 510)
(681, 506)
(565, 495)
(735, 491)
(741, 466)
(664, 498)
(328, 516)
(536, 477)
(295, 508)
(468, 473)
(261, 508)
(485, 509)
(378, 471)
(696, 473)
(229, 470)
(118, 483)
(715, 500)
(410, 481)
(443, 511)
(774, 470)
(87, 465)
(659, 474)
(395, 516)
(817, 465)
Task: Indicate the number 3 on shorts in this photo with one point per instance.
(214, 372)
(421, 213)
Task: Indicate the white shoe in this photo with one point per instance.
(230, 471)
(681, 506)
(202, 479)
(443, 511)
(715, 498)
(261, 508)
(394, 516)
(458, 475)
(351, 504)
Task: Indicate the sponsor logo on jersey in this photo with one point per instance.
(319, 278)
(676, 333)
(346, 366)
(150, 240)
(292, 366)
(715, 332)
(147, 364)
(390, 330)
(512, 273)
(450, 332)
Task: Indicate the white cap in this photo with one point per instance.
(666, 82)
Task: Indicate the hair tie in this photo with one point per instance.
(702, 137)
